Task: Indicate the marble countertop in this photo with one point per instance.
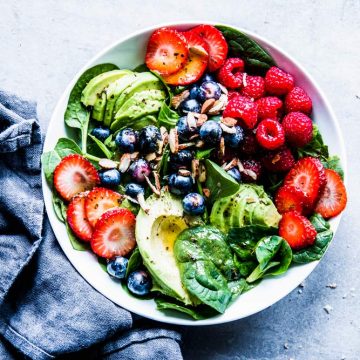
(44, 43)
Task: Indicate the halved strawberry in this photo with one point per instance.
(192, 70)
(76, 217)
(333, 198)
(73, 175)
(114, 233)
(194, 40)
(297, 230)
(307, 176)
(218, 47)
(167, 51)
(98, 201)
(289, 198)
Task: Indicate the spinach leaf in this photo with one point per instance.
(102, 146)
(323, 238)
(103, 263)
(75, 242)
(219, 182)
(65, 147)
(315, 147)
(203, 154)
(237, 287)
(164, 162)
(59, 207)
(167, 117)
(240, 45)
(141, 68)
(198, 313)
(333, 162)
(176, 90)
(76, 114)
(206, 265)
(274, 256)
(135, 261)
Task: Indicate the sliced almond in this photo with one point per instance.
(150, 157)
(228, 129)
(108, 164)
(223, 89)
(151, 186)
(184, 172)
(250, 173)
(157, 180)
(225, 100)
(195, 168)
(131, 199)
(228, 121)
(191, 121)
(222, 148)
(207, 105)
(276, 158)
(199, 144)
(174, 140)
(134, 155)
(198, 50)
(240, 166)
(178, 99)
(164, 134)
(206, 192)
(142, 203)
(202, 173)
(216, 108)
(125, 162)
(231, 164)
(201, 120)
(158, 158)
(160, 147)
(185, 145)
(193, 137)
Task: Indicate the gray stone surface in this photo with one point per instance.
(44, 43)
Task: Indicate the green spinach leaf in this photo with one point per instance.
(203, 154)
(103, 263)
(65, 147)
(315, 147)
(333, 162)
(323, 238)
(102, 147)
(167, 117)
(135, 261)
(141, 68)
(75, 242)
(240, 45)
(59, 207)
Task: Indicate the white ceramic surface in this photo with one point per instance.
(129, 52)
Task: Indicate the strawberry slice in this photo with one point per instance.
(167, 51)
(307, 175)
(73, 175)
(76, 217)
(98, 201)
(114, 234)
(192, 70)
(218, 47)
(333, 198)
(194, 40)
(297, 230)
(289, 198)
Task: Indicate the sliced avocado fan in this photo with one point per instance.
(99, 108)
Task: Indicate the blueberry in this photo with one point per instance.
(138, 169)
(180, 185)
(116, 267)
(184, 130)
(133, 190)
(139, 282)
(126, 140)
(149, 139)
(194, 204)
(211, 132)
(209, 90)
(110, 178)
(207, 77)
(182, 158)
(234, 140)
(190, 105)
(101, 133)
(194, 92)
(235, 173)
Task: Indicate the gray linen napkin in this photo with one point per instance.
(47, 309)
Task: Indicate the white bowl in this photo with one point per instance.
(129, 52)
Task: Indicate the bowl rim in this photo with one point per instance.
(170, 319)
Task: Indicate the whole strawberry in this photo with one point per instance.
(253, 86)
(231, 73)
(298, 100)
(281, 160)
(278, 82)
(298, 129)
(269, 107)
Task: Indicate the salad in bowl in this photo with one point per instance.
(196, 174)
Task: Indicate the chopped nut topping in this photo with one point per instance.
(207, 105)
(174, 140)
(229, 121)
(125, 162)
(152, 187)
(202, 173)
(227, 129)
(184, 172)
(195, 168)
(223, 89)
(186, 145)
(178, 99)
(108, 164)
(150, 157)
(206, 192)
(191, 121)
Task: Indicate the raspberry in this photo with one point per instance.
(269, 107)
(298, 100)
(232, 94)
(230, 74)
(270, 134)
(253, 86)
(249, 145)
(280, 160)
(252, 171)
(298, 129)
(242, 108)
(278, 82)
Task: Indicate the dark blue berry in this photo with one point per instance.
(207, 77)
(190, 105)
(180, 185)
(133, 190)
(234, 140)
(184, 130)
(149, 139)
(117, 266)
(209, 90)
(194, 92)
(139, 282)
(138, 169)
(127, 140)
(101, 133)
(194, 204)
(210, 132)
(235, 173)
(110, 178)
(182, 158)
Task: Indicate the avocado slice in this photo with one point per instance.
(156, 233)
(96, 85)
(99, 108)
(144, 81)
(113, 91)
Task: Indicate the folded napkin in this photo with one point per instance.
(46, 308)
